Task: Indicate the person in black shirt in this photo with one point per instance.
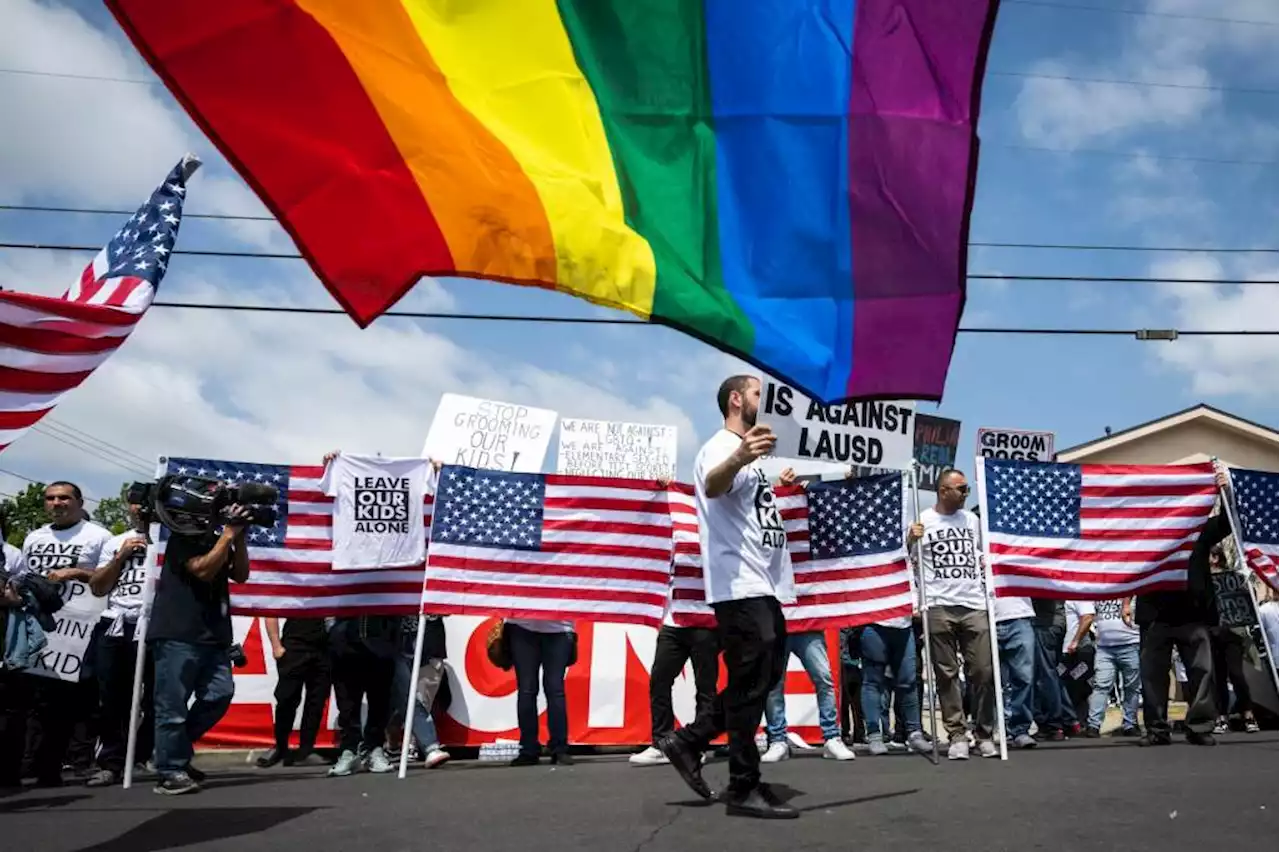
(190, 638)
(302, 660)
(1182, 618)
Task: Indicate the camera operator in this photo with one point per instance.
(190, 637)
(121, 574)
(64, 551)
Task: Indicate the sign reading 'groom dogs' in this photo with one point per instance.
(875, 434)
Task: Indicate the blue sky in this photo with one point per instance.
(275, 389)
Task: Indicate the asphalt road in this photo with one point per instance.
(1070, 796)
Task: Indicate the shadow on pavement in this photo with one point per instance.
(826, 806)
(40, 804)
(181, 828)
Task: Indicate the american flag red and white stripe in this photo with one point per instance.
(847, 552)
(291, 570)
(546, 546)
(50, 346)
(689, 606)
(1092, 532)
(1256, 494)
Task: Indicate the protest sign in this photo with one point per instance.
(610, 448)
(63, 657)
(871, 433)
(488, 434)
(1235, 609)
(936, 440)
(1015, 444)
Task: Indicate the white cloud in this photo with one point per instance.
(1221, 366)
(1156, 50)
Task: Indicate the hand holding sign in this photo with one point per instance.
(759, 441)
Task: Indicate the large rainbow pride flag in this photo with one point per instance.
(787, 180)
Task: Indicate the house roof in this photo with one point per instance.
(1169, 421)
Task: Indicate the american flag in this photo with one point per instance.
(290, 564)
(689, 606)
(532, 545)
(1092, 532)
(49, 346)
(846, 548)
(1257, 502)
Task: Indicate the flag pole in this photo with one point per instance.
(1229, 506)
(927, 675)
(140, 652)
(989, 594)
(412, 701)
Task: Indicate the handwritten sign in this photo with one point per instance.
(489, 434)
(63, 657)
(610, 448)
(1015, 444)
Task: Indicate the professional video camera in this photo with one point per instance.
(194, 505)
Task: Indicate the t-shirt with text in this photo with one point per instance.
(378, 508)
(47, 549)
(742, 540)
(1108, 620)
(949, 559)
(124, 601)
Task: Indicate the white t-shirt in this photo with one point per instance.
(950, 552)
(542, 625)
(13, 563)
(1269, 619)
(125, 600)
(1108, 620)
(743, 541)
(1075, 611)
(377, 514)
(48, 549)
(1007, 609)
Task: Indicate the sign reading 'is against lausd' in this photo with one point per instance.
(872, 433)
(1017, 444)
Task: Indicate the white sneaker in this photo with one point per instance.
(798, 742)
(348, 764)
(959, 750)
(776, 753)
(916, 742)
(649, 757)
(437, 756)
(377, 762)
(835, 749)
(894, 745)
(970, 739)
(876, 746)
(987, 748)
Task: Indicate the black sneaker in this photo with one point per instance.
(177, 784)
(1199, 739)
(1158, 738)
(1132, 731)
(525, 760)
(759, 803)
(270, 758)
(562, 759)
(687, 762)
(1092, 733)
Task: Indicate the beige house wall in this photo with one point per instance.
(1197, 440)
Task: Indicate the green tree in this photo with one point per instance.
(113, 512)
(24, 512)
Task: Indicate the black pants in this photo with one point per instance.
(1228, 665)
(852, 725)
(116, 658)
(1192, 642)
(676, 646)
(302, 667)
(37, 715)
(753, 637)
(361, 675)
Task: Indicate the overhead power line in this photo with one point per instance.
(234, 217)
(1139, 13)
(973, 276)
(49, 420)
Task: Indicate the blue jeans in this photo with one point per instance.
(183, 669)
(1048, 708)
(423, 726)
(811, 648)
(1016, 640)
(889, 663)
(1106, 663)
(533, 652)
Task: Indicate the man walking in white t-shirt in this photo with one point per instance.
(957, 613)
(747, 572)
